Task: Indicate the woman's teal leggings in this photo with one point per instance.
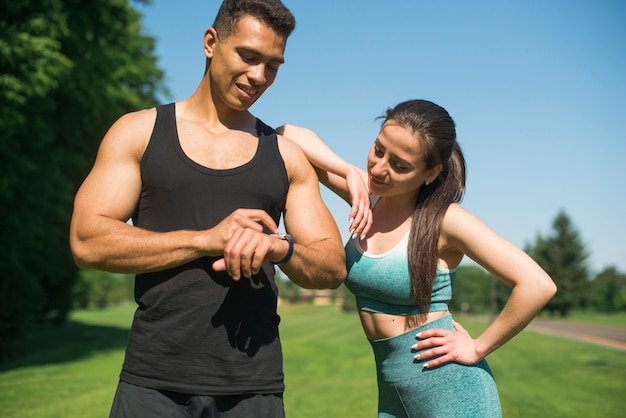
(451, 390)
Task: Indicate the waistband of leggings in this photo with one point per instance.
(443, 322)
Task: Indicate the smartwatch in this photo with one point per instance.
(289, 240)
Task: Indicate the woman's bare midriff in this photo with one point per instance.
(380, 325)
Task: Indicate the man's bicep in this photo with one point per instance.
(111, 190)
(306, 217)
(112, 187)
(320, 259)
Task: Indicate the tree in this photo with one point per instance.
(68, 69)
(607, 292)
(563, 256)
(472, 290)
(99, 289)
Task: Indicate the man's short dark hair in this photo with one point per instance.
(271, 12)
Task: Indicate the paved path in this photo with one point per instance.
(605, 335)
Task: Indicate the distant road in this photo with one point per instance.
(604, 335)
(611, 336)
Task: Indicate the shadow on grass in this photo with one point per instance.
(605, 364)
(69, 342)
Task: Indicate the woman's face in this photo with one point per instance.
(395, 163)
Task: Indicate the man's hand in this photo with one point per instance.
(245, 245)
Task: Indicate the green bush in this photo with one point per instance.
(99, 289)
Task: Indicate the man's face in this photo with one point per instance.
(244, 64)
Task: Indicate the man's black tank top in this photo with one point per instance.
(195, 330)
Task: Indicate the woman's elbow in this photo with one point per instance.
(547, 287)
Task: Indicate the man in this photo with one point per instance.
(205, 183)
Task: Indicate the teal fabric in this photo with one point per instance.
(381, 282)
(406, 390)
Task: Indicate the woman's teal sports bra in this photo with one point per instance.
(381, 282)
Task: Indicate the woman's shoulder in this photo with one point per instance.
(456, 222)
(454, 212)
(461, 229)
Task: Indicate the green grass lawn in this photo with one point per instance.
(329, 370)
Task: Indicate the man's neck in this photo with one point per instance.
(200, 108)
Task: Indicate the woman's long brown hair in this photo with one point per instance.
(432, 125)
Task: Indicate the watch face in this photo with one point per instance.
(281, 235)
(287, 238)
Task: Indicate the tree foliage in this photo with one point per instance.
(473, 290)
(607, 292)
(101, 289)
(563, 256)
(68, 69)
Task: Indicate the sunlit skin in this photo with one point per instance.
(216, 130)
(395, 166)
(244, 64)
(191, 240)
(395, 172)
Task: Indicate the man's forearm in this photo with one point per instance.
(122, 248)
(319, 265)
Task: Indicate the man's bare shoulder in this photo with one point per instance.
(131, 131)
(139, 120)
(295, 160)
(287, 144)
(292, 131)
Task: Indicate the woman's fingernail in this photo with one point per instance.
(351, 220)
(414, 347)
(417, 357)
(419, 335)
(354, 236)
(425, 366)
(362, 237)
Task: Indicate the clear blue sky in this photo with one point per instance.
(537, 89)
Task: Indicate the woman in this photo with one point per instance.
(402, 259)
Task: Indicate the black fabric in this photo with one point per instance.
(197, 331)
(138, 402)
